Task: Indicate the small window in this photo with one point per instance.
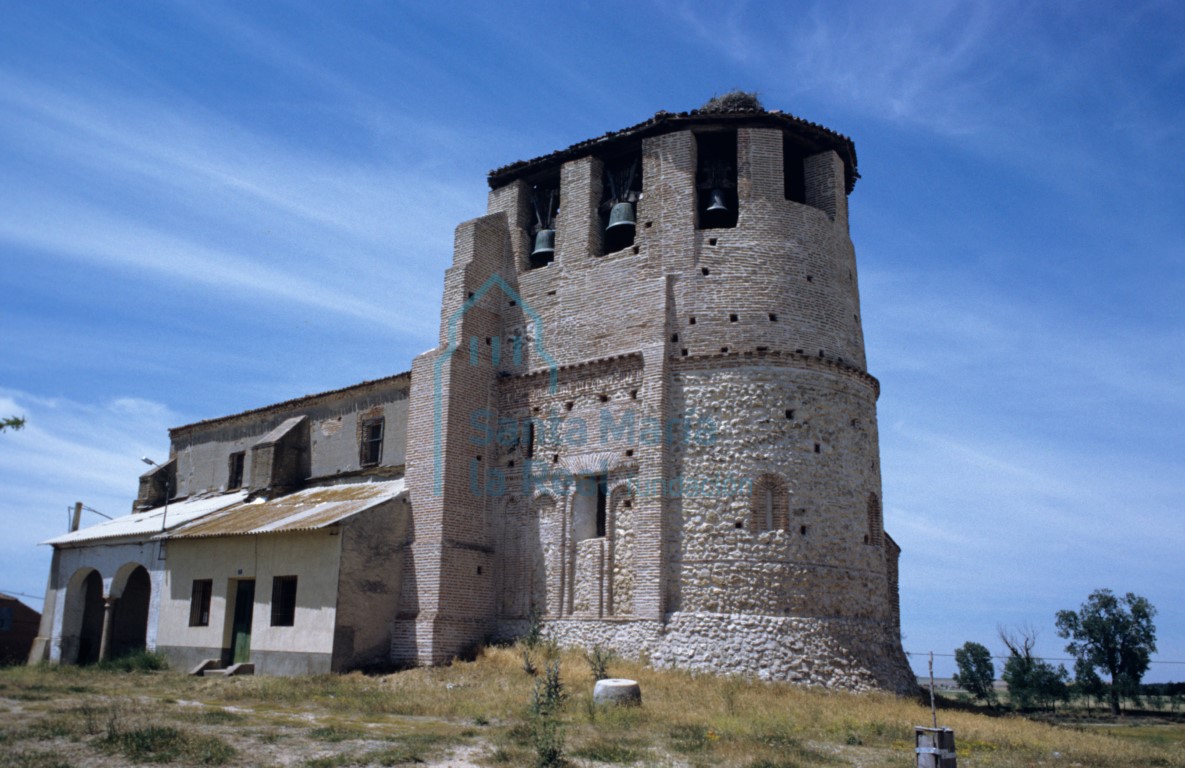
(283, 601)
(589, 506)
(199, 603)
(602, 499)
(770, 504)
(793, 170)
(372, 442)
(876, 530)
(234, 477)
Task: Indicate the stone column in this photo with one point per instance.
(105, 637)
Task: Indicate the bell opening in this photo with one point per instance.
(620, 191)
(545, 204)
(620, 232)
(716, 179)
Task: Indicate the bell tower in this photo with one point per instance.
(662, 325)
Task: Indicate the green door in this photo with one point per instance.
(240, 650)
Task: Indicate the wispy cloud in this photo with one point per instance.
(69, 451)
(250, 205)
(919, 64)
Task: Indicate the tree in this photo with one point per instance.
(976, 671)
(1087, 683)
(12, 422)
(1032, 682)
(1114, 636)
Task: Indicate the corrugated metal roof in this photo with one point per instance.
(304, 510)
(149, 523)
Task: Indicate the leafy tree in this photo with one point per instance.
(976, 671)
(1087, 683)
(1113, 635)
(12, 422)
(1032, 682)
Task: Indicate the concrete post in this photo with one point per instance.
(105, 637)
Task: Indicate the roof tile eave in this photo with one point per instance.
(499, 177)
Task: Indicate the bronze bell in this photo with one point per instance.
(716, 204)
(544, 244)
(621, 219)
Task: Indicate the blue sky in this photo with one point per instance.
(209, 207)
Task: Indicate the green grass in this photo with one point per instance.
(165, 744)
(139, 661)
(335, 734)
(1166, 735)
(34, 760)
(609, 750)
(221, 717)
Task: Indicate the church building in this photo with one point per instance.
(646, 423)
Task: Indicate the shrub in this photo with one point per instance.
(598, 662)
(136, 661)
(534, 634)
(548, 696)
(548, 740)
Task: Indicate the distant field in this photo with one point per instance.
(477, 713)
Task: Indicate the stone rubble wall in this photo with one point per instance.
(814, 431)
(832, 653)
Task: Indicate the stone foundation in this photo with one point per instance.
(831, 653)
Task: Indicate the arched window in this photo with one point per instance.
(876, 530)
(770, 505)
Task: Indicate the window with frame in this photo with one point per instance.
(234, 475)
(283, 601)
(371, 448)
(199, 603)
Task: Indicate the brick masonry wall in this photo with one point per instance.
(754, 329)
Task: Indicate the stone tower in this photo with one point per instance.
(660, 438)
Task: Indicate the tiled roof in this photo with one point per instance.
(666, 122)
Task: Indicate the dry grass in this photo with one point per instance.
(60, 717)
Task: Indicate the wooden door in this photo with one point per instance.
(241, 628)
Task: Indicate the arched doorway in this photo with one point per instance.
(90, 628)
(129, 619)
